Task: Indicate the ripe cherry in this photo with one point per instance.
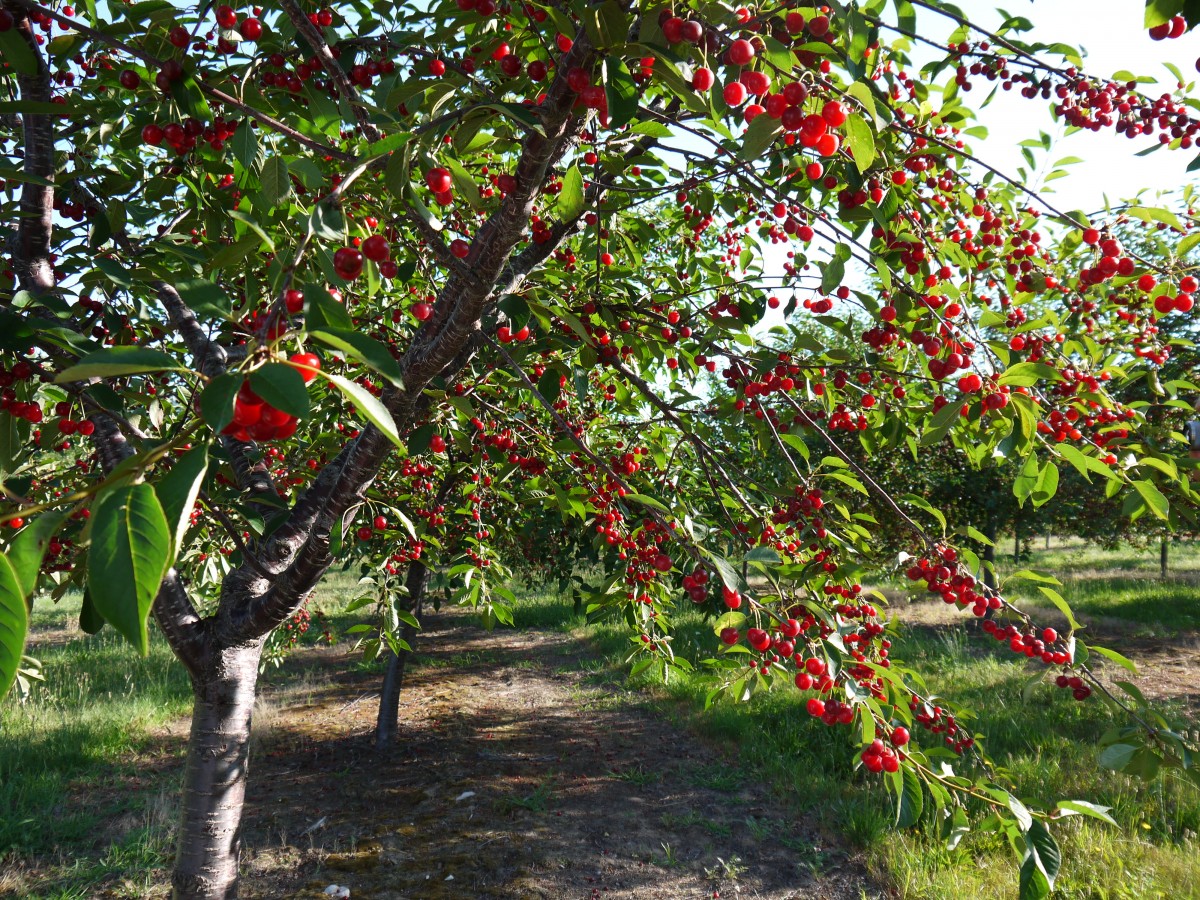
(305, 363)
(376, 248)
(251, 29)
(129, 79)
(348, 263)
(437, 444)
(226, 17)
(422, 311)
(439, 180)
(741, 52)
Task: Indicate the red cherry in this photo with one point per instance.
(606, 259)
(460, 248)
(815, 707)
(152, 135)
(703, 79)
(294, 300)
(741, 52)
(437, 443)
(365, 533)
(900, 736)
(376, 248)
(251, 29)
(380, 523)
(422, 311)
(437, 68)
(348, 263)
(179, 37)
(662, 562)
(129, 79)
(226, 17)
(729, 635)
(439, 180)
(305, 363)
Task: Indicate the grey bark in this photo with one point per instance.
(214, 784)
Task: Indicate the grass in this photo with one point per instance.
(1047, 744)
(72, 758)
(1121, 584)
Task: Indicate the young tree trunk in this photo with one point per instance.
(1162, 558)
(214, 786)
(989, 556)
(393, 677)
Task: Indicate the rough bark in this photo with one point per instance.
(206, 864)
(393, 677)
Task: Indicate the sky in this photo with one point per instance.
(1111, 33)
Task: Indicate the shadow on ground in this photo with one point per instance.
(516, 776)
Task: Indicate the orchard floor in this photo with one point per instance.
(516, 775)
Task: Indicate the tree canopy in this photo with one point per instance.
(299, 284)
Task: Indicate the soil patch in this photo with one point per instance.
(516, 776)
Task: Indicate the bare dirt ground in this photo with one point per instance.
(515, 777)
(520, 771)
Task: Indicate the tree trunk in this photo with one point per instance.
(1016, 541)
(393, 677)
(1162, 558)
(989, 555)
(214, 785)
(1047, 540)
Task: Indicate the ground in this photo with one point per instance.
(513, 776)
(528, 764)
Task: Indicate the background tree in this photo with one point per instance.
(317, 244)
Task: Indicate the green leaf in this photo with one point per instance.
(178, 489)
(418, 439)
(282, 387)
(1033, 885)
(834, 271)
(1057, 599)
(205, 297)
(245, 146)
(1027, 374)
(129, 554)
(729, 620)
(190, 98)
(463, 182)
(620, 91)
(28, 549)
(1047, 484)
(370, 407)
(1117, 756)
(1084, 808)
(1083, 463)
(276, 181)
(1160, 12)
(370, 352)
(1153, 497)
(14, 625)
(217, 399)
(861, 141)
(1026, 482)
(1041, 846)
(909, 800)
(90, 621)
(1114, 656)
(1154, 214)
(323, 312)
(759, 135)
(571, 198)
(113, 362)
(253, 225)
(326, 222)
(17, 53)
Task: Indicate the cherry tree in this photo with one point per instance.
(272, 269)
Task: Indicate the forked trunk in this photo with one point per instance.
(206, 864)
(393, 676)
